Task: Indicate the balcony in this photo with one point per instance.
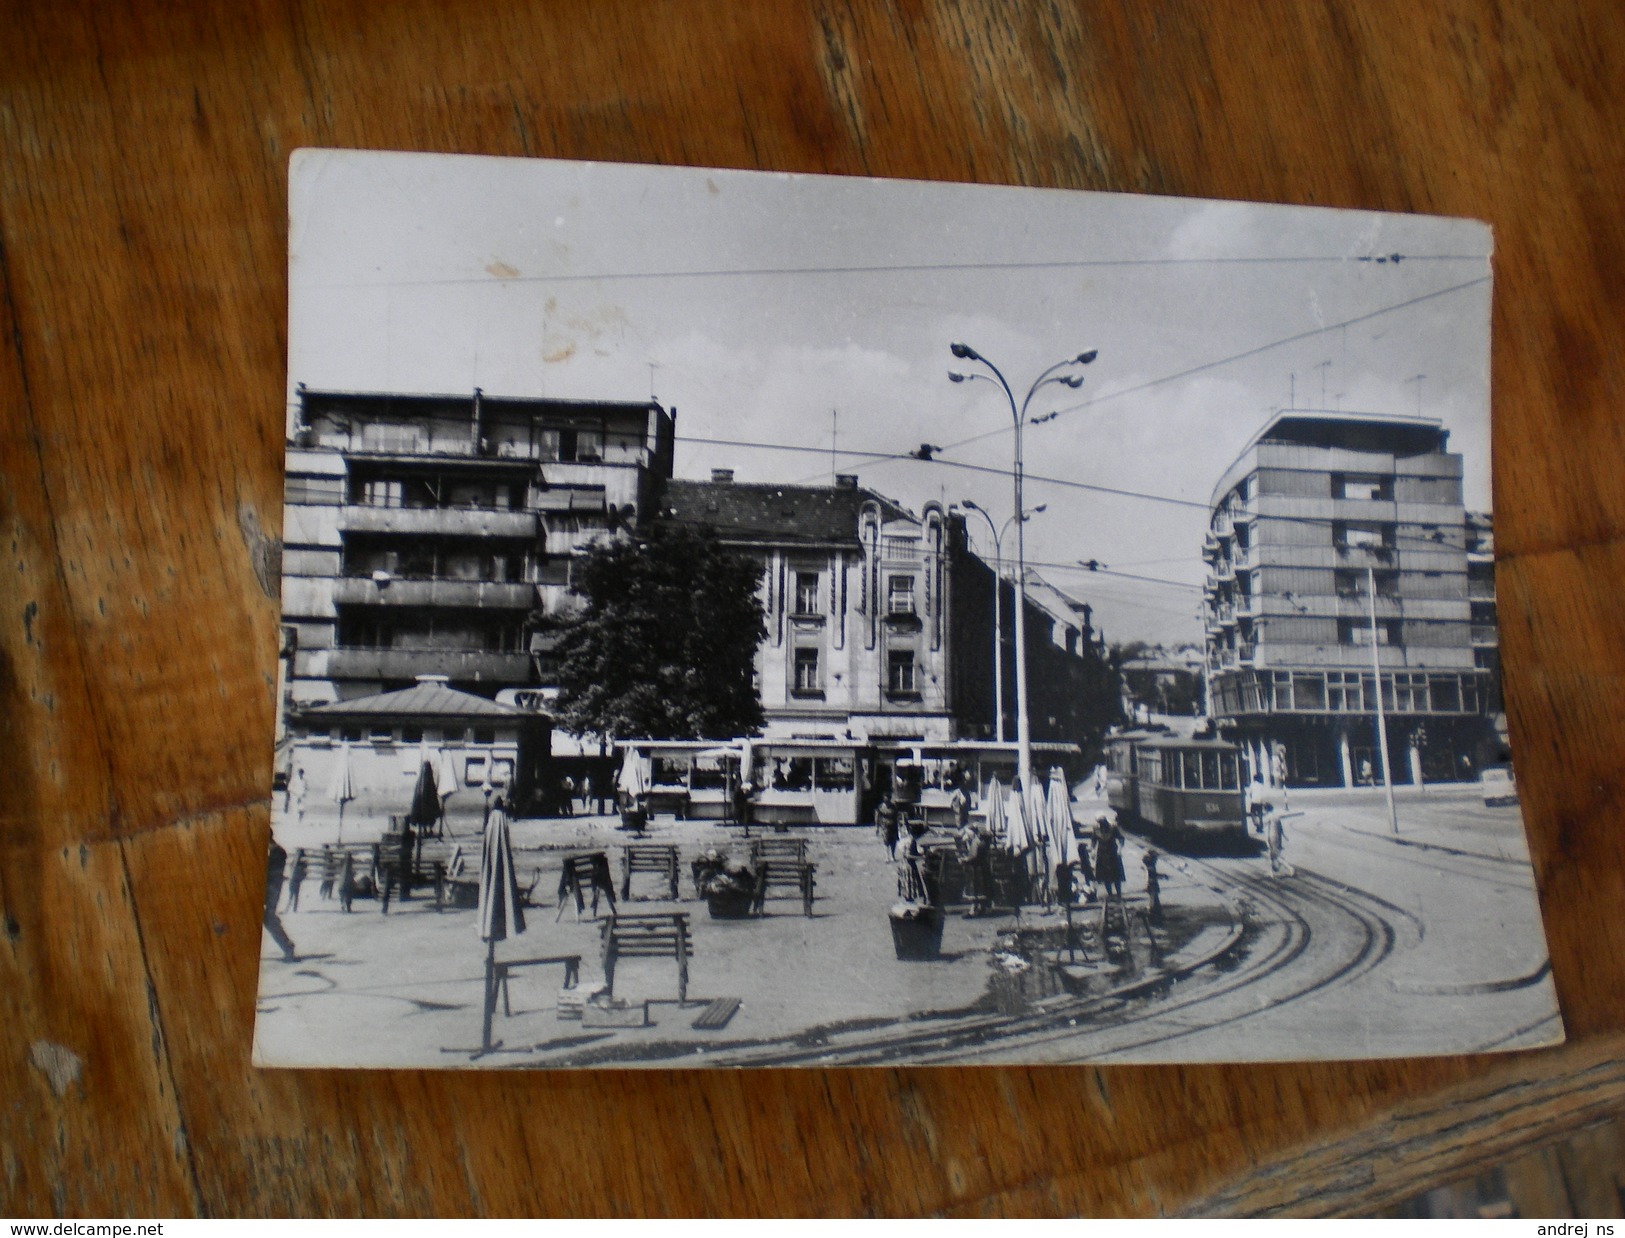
(1365, 556)
(1223, 614)
(1484, 634)
(463, 594)
(465, 665)
(1242, 557)
(1225, 569)
(438, 521)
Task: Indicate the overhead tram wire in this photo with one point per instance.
(1055, 264)
(1240, 356)
(1066, 482)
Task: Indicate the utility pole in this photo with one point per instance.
(1376, 678)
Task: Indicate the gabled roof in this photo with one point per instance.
(422, 700)
(775, 513)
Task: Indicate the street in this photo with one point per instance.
(1375, 947)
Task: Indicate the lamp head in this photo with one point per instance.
(964, 352)
(1084, 358)
(955, 378)
(1073, 381)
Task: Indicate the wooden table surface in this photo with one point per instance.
(143, 157)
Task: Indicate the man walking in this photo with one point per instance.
(275, 869)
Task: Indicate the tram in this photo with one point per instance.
(824, 781)
(1187, 791)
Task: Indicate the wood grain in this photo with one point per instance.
(142, 303)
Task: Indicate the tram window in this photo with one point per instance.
(709, 774)
(1229, 771)
(835, 774)
(669, 771)
(1210, 771)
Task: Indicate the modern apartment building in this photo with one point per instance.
(1338, 544)
(421, 531)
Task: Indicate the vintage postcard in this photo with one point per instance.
(734, 619)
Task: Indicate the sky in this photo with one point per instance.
(806, 313)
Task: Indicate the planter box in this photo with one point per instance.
(729, 904)
(916, 932)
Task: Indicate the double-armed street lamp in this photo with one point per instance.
(1018, 417)
(998, 622)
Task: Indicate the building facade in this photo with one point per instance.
(1338, 544)
(880, 622)
(855, 591)
(420, 531)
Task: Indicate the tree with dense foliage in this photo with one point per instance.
(664, 646)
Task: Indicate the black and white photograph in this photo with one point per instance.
(743, 619)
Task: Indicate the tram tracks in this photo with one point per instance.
(1282, 935)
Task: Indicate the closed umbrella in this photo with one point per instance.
(445, 781)
(993, 806)
(633, 779)
(501, 916)
(425, 810)
(343, 789)
(1060, 815)
(1018, 838)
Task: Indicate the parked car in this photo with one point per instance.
(1499, 785)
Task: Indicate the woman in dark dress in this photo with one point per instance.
(1109, 856)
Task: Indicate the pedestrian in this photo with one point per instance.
(959, 805)
(296, 877)
(568, 796)
(298, 786)
(1365, 772)
(886, 826)
(1100, 782)
(1275, 841)
(1256, 794)
(586, 794)
(1108, 856)
(1153, 884)
(276, 865)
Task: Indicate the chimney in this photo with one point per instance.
(846, 481)
(722, 477)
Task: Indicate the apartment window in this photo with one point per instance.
(900, 595)
(1309, 692)
(381, 493)
(807, 593)
(411, 735)
(1356, 535)
(1358, 632)
(381, 735)
(1351, 584)
(1411, 693)
(806, 671)
(1362, 486)
(1343, 692)
(485, 735)
(900, 676)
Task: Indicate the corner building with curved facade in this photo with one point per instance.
(1332, 532)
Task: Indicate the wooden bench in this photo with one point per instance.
(589, 870)
(392, 869)
(504, 968)
(763, 849)
(657, 858)
(665, 935)
(797, 874)
(335, 869)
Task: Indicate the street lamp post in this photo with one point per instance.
(1018, 418)
(998, 608)
(1376, 683)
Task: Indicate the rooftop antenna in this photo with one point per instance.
(1292, 390)
(834, 435)
(1417, 379)
(1323, 367)
(653, 366)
